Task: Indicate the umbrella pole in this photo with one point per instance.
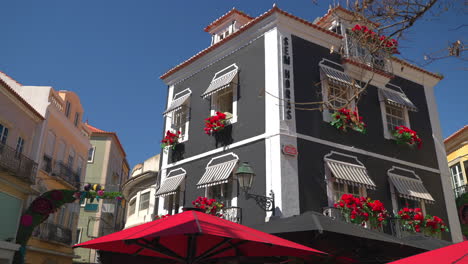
(191, 248)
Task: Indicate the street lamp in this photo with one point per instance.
(245, 176)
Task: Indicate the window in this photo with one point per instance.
(340, 188)
(131, 207)
(79, 166)
(395, 117)
(49, 151)
(457, 179)
(171, 203)
(78, 231)
(221, 192)
(179, 121)
(410, 203)
(337, 95)
(91, 154)
(67, 109)
(3, 134)
(71, 158)
(77, 118)
(222, 101)
(144, 201)
(83, 203)
(19, 147)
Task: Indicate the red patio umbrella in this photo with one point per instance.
(456, 253)
(194, 237)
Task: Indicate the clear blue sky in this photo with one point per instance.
(111, 53)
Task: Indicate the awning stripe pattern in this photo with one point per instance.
(410, 188)
(397, 99)
(170, 185)
(217, 174)
(351, 174)
(220, 83)
(177, 103)
(338, 77)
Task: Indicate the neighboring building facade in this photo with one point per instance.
(63, 148)
(20, 134)
(139, 192)
(456, 146)
(257, 69)
(108, 167)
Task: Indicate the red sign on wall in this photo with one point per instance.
(289, 150)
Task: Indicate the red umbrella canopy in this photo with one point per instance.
(193, 236)
(456, 253)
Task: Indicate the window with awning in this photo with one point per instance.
(172, 182)
(348, 170)
(180, 100)
(218, 170)
(393, 95)
(337, 77)
(409, 185)
(222, 80)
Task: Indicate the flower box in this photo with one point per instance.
(414, 221)
(362, 211)
(404, 135)
(217, 122)
(345, 118)
(211, 206)
(170, 140)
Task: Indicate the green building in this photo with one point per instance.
(108, 167)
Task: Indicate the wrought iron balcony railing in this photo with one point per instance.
(17, 164)
(66, 173)
(358, 53)
(53, 233)
(460, 190)
(233, 214)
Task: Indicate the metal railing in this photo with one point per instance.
(460, 190)
(355, 51)
(233, 214)
(66, 173)
(53, 233)
(17, 164)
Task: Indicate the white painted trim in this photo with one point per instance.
(327, 157)
(217, 157)
(449, 196)
(403, 169)
(190, 93)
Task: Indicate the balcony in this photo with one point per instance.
(53, 233)
(359, 54)
(66, 173)
(460, 190)
(17, 164)
(233, 214)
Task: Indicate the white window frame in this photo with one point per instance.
(3, 135)
(129, 206)
(325, 93)
(233, 87)
(83, 204)
(77, 119)
(394, 193)
(185, 109)
(383, 109)
(92, 155)
(67, 109)
(140, 201)
(460, 178)
(19, 147)
(233, 195)
(80, 233)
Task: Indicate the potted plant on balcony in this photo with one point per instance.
(404, 135)
(217, 122)
(362, 210)
(170, 140)
(413, 220)
(345, 118)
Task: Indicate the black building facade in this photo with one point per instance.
(264, 71)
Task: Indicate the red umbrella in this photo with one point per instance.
(192, 237)
(456, 253)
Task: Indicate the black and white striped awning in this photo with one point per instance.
(351, 174)
(218, 173)
(220, 82)
(171, 183)
(397, 98)
(410, 188)
(338, 77)
(178, 101)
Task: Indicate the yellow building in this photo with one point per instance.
(62, 154)
(20, 133)
(456, 147)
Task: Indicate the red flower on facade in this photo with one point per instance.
(210, 206)
(404, 135)
(371, 38)
(414, 220)
(345, 118)
(362, 210)
(215, 123)
(171, 139)
(26, 220)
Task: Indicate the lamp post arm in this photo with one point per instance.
(265, 202)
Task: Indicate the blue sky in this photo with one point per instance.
(111, 53)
